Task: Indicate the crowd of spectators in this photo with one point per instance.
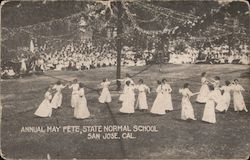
(211, 55)
(85, 56)
(79, 57)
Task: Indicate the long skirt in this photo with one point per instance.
(142, 101)
(57, 100)
(44, 109)
(167, 100)
(187, 111)
(239, 103)
(74, 99)
(223, 105)
(128, 104)
(105, 96)
(209, 112)
(121, 97)
(81, 110)
(202, 96)
(23, 67)
(158, 105)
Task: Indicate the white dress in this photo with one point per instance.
(225, 99)
(45, 109)
(158, 105)
(128, 100)
(167, 100)
(142, 97)
(209, 110)
(23, 66)
(125, 80)
(57, 99)
(81, 110)
(202, 96)
(238, 99)
(105, 95)
(220, 101)
(74, 95)
(187, 111)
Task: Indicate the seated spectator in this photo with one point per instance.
(8, 73)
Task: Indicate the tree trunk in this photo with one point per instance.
(119, 45)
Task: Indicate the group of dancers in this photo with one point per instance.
(53, 100)
(212, 94)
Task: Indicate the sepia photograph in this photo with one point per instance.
(125, 79)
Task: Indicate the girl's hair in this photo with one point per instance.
(81, 85)
(58, 82)
(227, 83)
(217, 78)
(236, 80)
(185, 85)
(127, 83)
(203, 74)
(75, 80)
(158, 82)
(104, 80)
(232, 82)
(164, 79)
(211, 87)
(141, 80)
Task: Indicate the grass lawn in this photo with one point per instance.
(228, 138)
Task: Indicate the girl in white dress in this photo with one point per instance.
(216, 82)
(128, 99)
(45, 109)
(202, 96)
(209, 110)
(219, 100)
(81, 110)
(158, 105)
(142, 97)
(57, 99)
(127, 78)
(238, 99)
(187, 111)
(226, 97)
(23, 66)
(74, 95)
(105, 96)
(167, 100)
